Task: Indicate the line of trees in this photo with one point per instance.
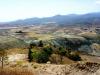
(45, 54)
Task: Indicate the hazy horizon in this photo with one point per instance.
(21, 9)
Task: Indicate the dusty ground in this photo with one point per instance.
(73, 69)
(89, 66)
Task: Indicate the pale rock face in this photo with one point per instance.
(17, 57)
(48, 62)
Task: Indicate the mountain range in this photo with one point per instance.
(71, 19)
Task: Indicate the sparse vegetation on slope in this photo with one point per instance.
(16, 71)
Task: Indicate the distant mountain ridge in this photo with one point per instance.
(72, 19)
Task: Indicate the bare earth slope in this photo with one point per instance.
(85, 68)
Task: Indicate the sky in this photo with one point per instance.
(21, 9)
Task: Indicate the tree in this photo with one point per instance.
(19, 31)
(30, 57)
(3, 53)
(68, 51)
(62, 52)
(43, 57)
(40, 43)
(35, 55)
(48, 50)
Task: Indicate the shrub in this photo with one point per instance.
(55, 58)
(32, 45)
(62, 53)
(75, 56)
(68, 51)
(42, 57)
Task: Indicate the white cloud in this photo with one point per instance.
(97, 1)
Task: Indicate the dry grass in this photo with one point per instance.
(40, 36)
(17, 51)
(15, 72)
